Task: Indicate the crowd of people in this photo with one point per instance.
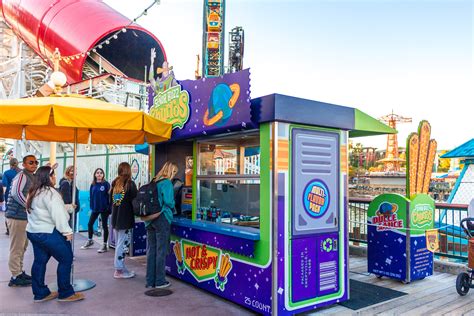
(38, 211)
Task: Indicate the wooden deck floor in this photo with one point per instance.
(435, 295)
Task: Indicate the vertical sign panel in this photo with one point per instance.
(315, 179)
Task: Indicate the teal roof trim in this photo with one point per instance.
(466, 150)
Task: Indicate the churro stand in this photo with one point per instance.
(263, 218)
(401, 238)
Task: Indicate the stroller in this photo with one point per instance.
(464, 279)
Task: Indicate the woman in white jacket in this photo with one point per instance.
(50, 234)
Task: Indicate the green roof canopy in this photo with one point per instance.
(366, 125)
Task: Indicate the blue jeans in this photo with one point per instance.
(122, 244)
(158, 242)
(46, 246)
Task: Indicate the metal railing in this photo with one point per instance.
(452, 240)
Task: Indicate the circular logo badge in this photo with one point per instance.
(135, 169)
(316, 198)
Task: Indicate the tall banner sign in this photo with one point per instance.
(204, 107)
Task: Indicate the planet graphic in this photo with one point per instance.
(219, 109)
(387, 208)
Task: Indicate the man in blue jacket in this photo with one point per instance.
(7, 181)
(17, 220)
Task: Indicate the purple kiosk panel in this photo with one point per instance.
(315, 214)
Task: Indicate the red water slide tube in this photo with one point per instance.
(76, 26)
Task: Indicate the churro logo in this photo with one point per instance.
(316, 198)
(386, 217)
(171, 106)
(432, 240)
(421, 215)
(203, 262)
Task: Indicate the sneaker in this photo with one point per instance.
(19, 281)
(50, 297)
(73, 298)
(118, 274)
(88, 244)
(164, 285)
(102, 249)
(25, 276)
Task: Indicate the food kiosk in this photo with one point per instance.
(265, 190)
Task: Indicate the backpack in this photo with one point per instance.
(146, 202)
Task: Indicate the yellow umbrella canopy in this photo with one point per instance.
(56, 118)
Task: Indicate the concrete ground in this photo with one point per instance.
(110, 296)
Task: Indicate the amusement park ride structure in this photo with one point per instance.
(107, 60)
(236, 49)
(392, 161)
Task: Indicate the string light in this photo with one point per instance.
(100, 45)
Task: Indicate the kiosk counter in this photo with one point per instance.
(262, 219)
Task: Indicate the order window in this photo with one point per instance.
(228, 180)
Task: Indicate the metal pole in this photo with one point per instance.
(73, 201)
(79, 285)
(52, 153)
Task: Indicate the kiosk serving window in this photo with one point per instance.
(228, 180)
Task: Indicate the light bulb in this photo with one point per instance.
(58, 78)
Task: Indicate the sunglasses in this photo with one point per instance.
(31, 162)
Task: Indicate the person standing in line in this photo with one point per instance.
(2, 202)
(65, 188)
(99, 204)
(158, 227)
(50, 234)
(7, 180)
(123, 191)
(17, 220)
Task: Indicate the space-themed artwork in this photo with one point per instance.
(206, 106)
(386, 236)
(396, 238)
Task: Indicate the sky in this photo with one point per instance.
(412, 57)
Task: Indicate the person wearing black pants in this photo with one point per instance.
(100, 205)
